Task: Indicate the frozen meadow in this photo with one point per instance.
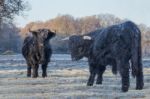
(66, 80)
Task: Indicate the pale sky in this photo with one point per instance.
(41, 10)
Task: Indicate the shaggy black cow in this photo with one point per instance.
(117, 45)
(37, 50)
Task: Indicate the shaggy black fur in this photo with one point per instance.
(116, 45)
(37, 50)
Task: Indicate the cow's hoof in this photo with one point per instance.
(44, 76)
(89, 84)
(34, 76)
(28, 75)
(98, 82)
(139, 87)
(124, 89)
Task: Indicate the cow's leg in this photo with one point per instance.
(101, 70)
(93, 71)
(124, 71)
(29, 71)
(114, 68)
(35, 71)
(28, 68)
(44, 69)
(139, 79)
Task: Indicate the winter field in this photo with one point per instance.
(66, 80)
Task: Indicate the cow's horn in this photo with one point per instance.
(30, 30)
(66, 38)
(87, 38)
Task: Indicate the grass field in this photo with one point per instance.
(66, 80)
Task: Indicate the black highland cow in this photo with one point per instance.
(118, 46)
(37, 50)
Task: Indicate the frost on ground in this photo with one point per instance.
(66, 80)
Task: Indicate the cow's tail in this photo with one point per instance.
(136, 55)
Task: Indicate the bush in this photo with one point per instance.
(8, 52)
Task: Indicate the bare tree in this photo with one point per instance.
(66, 25)
(10, 8)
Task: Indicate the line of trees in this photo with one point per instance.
(9, 38)
(66, 25)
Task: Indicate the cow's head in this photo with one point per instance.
(42, 37)
(79, 46)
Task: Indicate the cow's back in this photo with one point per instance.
(114, 41)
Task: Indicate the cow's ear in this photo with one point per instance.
(34, 33)
(51, 34)
(87, 37)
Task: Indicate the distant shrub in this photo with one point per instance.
(58, 45)
(8, 52)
